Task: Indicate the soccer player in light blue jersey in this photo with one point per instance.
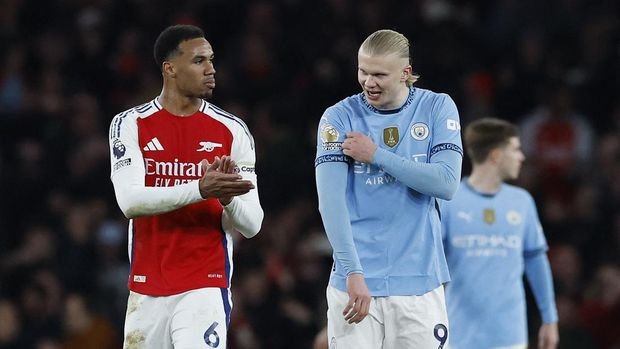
(492, 235)
(383, 158)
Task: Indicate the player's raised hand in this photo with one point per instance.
(359, 146)
(217, 184)
(359, 299)
(226, 165)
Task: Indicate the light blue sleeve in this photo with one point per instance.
(331, 184)
(537, 267)
(439, 177)
(444, 214)
(534, 240)
(538, 274)
(331, 170)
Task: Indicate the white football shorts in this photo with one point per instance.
(393, 322)
(193, 319)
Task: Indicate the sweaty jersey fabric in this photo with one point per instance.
(178, 241)
(488, 238)
(381, 218)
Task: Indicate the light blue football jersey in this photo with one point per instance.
(486, 238)
(396, 230)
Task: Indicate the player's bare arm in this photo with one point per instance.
(359, 146)
(217, 184)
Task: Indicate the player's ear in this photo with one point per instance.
(406, 73)
(168, 68)
(495, 155)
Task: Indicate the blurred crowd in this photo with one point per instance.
(68, 66)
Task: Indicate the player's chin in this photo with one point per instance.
(375, 102)
(206, 94)
(515, 174)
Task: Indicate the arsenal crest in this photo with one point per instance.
(390, 136)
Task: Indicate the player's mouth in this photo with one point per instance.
(373, 95)
(210, 83)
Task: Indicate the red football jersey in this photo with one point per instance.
(180, 242)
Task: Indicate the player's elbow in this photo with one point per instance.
(448, 191)
(450, 185)
(129, 211)
(130, 206)
(126, 200)
(129, 214)
(251, 229)
(446, 195)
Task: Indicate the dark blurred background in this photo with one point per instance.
(68, 66)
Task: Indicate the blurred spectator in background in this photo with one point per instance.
(558, 143)
(601, 308)
(84, 328)
(11, 334)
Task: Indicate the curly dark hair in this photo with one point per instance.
(167, 43)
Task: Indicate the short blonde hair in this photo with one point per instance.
(388, 41)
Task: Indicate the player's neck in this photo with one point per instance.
(178, 104)
(401, 99)
(485, 179)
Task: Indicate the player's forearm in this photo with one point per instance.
(439, 178)
(538, 273)
(331, 182)
(136, 200)
(245, 214)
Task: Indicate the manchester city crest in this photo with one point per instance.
(419, 131)
(514, 217)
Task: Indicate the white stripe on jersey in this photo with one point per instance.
(141, 111)
(221, 112)
(153, 145)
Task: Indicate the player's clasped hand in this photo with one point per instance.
(219, 180)
(359, 299)
(359, 146)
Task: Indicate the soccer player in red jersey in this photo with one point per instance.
(183, 173)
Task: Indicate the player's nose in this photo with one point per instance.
(370, 82)
(209, 69)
